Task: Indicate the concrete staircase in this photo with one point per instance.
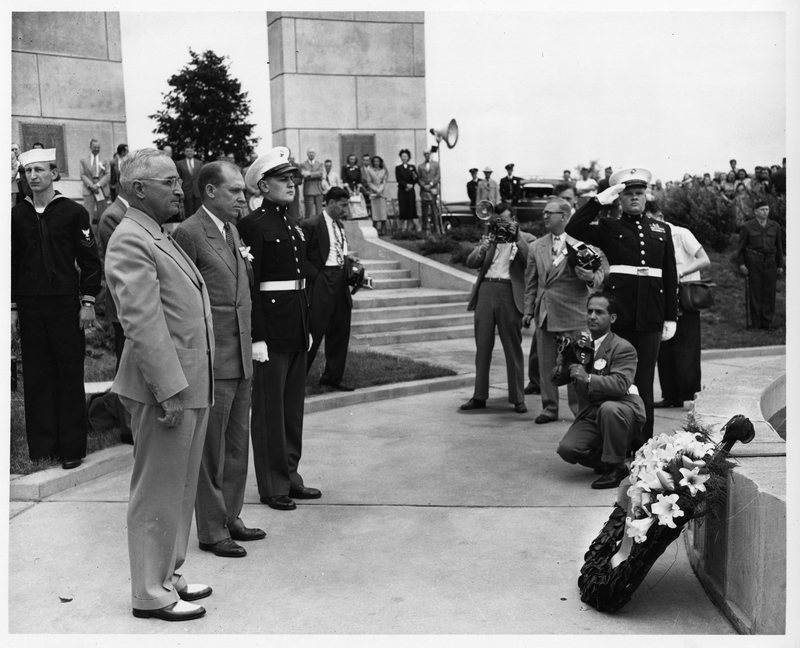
(398, 310)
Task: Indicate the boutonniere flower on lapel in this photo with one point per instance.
(245, 252)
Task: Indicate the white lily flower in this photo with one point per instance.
(667, 509)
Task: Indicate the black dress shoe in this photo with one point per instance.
(520, 408)
(665, 402)
(473, 404)
(302, 492)
(178, 611)
(279, 503)
(194, 591)
(69, 464)
(532, 389)
(245, 535)
(543, 418)
(226, 548)
(611, 478)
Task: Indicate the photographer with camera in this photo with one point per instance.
(612, 413)
(498, 301)
(557, 282)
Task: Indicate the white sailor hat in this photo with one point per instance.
(631, 177)
(275, 162)
(37, 155)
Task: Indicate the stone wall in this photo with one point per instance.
(348, 73)
(66, 68)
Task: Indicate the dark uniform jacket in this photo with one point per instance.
(510, 189)
(644, 302)
(764, 241)
(280, 318)
(472, 191)
(62, 229)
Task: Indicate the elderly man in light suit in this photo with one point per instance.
(165, 380)
(556, 289)
(498, 301)
(96, 177)
(212, 242)
(311, 170)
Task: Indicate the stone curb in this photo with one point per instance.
(38, 485)
(743, 352)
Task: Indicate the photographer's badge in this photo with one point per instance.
(600, 364)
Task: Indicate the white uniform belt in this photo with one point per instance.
(644, 271)
(292, 284)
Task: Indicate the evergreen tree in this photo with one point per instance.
(206, 106)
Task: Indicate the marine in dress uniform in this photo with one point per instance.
(280, 332)
(472, 189)
(761, 260)
(53, 301)
(642, 273)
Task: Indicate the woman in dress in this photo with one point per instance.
(376, 179)
(743, 179)
(406, 176)
(729, 185)
(351, 177)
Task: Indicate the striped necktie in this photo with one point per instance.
(229, 238)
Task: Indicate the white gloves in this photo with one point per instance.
(608, 196)
(260, 353)
(668, 331)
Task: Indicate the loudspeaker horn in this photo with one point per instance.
(484, 210)
(447, 133)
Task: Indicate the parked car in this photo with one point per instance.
(457, 213)
(534, 194)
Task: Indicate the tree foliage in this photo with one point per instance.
(206, 106)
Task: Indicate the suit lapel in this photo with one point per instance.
(323, 239)
(216, 240)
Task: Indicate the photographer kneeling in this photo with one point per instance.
(498, 300)
(612, 413)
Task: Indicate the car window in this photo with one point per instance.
(533, 192)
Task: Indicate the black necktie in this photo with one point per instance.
(229, 239)
(44, 234)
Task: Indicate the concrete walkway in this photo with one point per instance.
(432, 521)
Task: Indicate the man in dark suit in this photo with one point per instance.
(280, 332)
(108, 223)
(472, 189)
(555, 299)
(211, 241)
(611, 412)
(165, 380)
(498, 301)
(331, 302)
(642, 273)
(189, 171)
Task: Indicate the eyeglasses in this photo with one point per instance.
(551, 213)
(172, 183)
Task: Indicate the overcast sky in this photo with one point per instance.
(672, 92)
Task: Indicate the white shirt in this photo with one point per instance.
(599, 341)
(124, 202)
(335, 233)
(220, 225)
(589, 183)
(501, 262)
(686, 248)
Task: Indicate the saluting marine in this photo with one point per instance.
(642, 273)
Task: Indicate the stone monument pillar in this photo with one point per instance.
(66, 86)
(348, 82)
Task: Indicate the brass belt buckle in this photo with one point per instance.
(643, 272)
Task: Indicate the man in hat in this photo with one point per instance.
(760, 258)
(210, 239)
(96, 177)
(642, 273)
(280, 332)
(165, 380)
(472, 189)
(487, 188)
(510, 187)
(52, 302)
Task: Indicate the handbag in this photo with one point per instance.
(696, 296)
